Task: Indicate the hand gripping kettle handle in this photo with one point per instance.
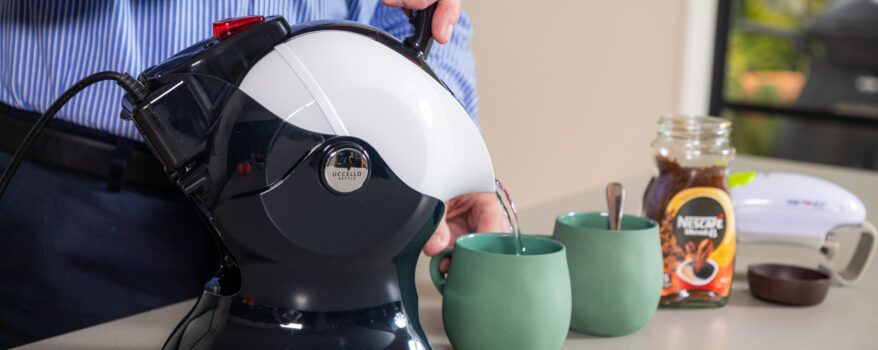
(863, 253)
(422, 38)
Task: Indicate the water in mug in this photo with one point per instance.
(511, 215)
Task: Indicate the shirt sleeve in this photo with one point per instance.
(453, 62)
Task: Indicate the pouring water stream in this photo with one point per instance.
(511, 215)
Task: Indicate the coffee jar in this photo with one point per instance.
(689, 198)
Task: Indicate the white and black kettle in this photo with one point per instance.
(320, 155)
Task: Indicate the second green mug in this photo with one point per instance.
(616, 275)
(494, 299)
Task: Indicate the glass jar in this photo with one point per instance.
(689, 199)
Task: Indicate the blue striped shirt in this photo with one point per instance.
(47, 45)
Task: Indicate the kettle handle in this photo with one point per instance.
(422, 38)
(863, 254)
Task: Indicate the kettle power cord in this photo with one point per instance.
(135, 88)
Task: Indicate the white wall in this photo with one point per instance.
(570, 90)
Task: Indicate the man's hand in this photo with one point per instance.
(447, 13)
(475, 212)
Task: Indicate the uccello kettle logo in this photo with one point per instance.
(346, 170)
(348, 175)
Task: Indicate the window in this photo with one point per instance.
(799, 78)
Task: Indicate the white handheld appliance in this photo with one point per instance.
(788, 208)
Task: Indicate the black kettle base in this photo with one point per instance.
(232, 322)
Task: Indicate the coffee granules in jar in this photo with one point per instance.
(690, 201)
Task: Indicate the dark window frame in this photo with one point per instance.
(718, 74)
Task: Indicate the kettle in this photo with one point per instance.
(320, 155)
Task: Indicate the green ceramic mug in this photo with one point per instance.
(616, 276)
(493, 299)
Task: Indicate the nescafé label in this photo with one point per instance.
(698, 229)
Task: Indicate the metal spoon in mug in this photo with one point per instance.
(615, 198)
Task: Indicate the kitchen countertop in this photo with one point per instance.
(847, 319)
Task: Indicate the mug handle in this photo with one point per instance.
(439, 277)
